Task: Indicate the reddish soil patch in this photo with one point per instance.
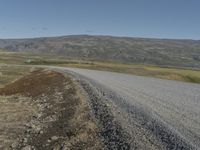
(35, 84)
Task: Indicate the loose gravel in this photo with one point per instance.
(166, 112)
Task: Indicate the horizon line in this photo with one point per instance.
(100, 35)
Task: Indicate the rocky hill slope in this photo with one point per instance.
(181, 53)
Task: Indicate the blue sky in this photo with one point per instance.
(136, 18)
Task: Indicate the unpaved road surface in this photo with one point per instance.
(155, 113)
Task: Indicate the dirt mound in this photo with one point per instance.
(56, 114)
(35, 84)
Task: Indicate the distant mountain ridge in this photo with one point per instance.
(181, 53)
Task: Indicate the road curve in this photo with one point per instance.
(176, 105)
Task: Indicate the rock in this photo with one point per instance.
(25, 140)
(27, 131)
(14, 145)
(54, 138)
(39, 115)
(28, 125)
(49, 141)
(28, 147)
(40, 132)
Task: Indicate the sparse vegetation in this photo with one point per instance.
(45, 110)
(12, 73)
(163, 72)
(186, 75)
(179, 53)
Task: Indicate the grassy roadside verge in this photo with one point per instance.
(185, 75)
(180, 74)
(9, 74)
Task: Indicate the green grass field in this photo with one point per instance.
(11, 73)
(180, 74)
(186, 75)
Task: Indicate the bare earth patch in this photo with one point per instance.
(45, 110)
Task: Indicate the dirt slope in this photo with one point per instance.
(45, 110)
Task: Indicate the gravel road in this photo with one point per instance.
(156, 113)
